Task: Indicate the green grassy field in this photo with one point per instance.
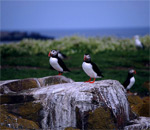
(113, 63)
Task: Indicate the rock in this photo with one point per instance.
(146, 99)
(18, 85)
(134, 100)
(15, 99)
(58, 103)
(144, 110)
(70, 128)
(104, 121)
(29, 110)
(140, 106)
(6, 81)
(142, 123)
(10, 121)
(74, 104)
(15, 86)
(50, 80)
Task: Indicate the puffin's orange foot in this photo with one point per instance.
(88, 80)
(60, 74)
(93, 81)
(130, 93)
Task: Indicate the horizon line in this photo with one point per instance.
(33, 29)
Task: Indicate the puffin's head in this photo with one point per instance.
(58, 51)
(53, 53)
(131, 72)
(87, 57)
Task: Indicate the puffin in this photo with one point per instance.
(129, 82)
(91, 69)
(138, 43)
(61, 55)
(57, 63)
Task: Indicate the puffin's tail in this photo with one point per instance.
(67, 70)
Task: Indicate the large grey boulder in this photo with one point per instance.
(70, 104)
(57, 102)
(141, 123)
(19, 110)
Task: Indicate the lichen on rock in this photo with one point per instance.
(11, 121)
(18, 85)
(139, 105)
(15, 86)
(51, 80)
(101, 118)
(27, 110)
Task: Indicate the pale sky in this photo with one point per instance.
(48, 14)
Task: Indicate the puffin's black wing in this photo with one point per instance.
(96, 69)
(126, 83)
(62, 64)
(143, 45)
(63, 55)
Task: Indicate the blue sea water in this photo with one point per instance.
(116, 32)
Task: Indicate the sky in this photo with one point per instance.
(73, 14)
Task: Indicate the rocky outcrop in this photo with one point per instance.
(140, 106)
(26, 110)
(71, 104)
(18, 85)
(20, 111)
(15, 86)
(103, 121)
(8, 120)
(141, 123)
(51, 80)
(59, 103)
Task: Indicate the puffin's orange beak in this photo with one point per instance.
(49, 54)
(134, 72)
(84, 58)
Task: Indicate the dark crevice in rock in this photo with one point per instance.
(14, 99)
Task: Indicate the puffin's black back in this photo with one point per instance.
(62, 64)
(64, 56)
(143, 45)
(127, 81)
(96, 69)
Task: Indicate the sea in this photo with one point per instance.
(114, 32)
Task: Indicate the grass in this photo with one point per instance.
(114, 65)
(114, 60)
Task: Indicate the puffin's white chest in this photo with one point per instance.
(138, 43)
(55, 65)
(87, 67)
(132, 81)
